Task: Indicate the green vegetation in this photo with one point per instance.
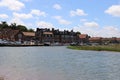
(14, 26)
(115, 47)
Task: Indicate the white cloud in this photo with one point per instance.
(43, 24)
(91, 24)
(57, 6)
(61, 20)
(114, 10)
(22, 15)
(3, 16)
(107, 31)
(83, 20)
(85, 30)
(15, 5)
(27, 0)
(38, 13)
(21, 22)
(77, 12)
(57, 17)
(17, 21)
(110, 31)
(19, 17)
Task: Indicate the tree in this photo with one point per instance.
(4, 25)
(22, 28)
(13, 26)
(78, 33)
(31, 30)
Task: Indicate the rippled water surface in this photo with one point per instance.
(58, 63)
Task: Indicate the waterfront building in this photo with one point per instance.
(83, 39)
(95, 40)
(13, 36)
(28, 38)
(55, 36)
(118, 40)
(43, 35)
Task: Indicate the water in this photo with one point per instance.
(58, 63)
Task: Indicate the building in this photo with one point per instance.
(44, 35)
(16, 35)
(47, 37)
(55, 36)
(11, 35)
(118, 40)
(83, 38)
(28, 38)
(95, 40)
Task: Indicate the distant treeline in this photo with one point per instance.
(14, 26)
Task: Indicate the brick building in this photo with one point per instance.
(55, 36)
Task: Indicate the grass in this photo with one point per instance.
(115, 47)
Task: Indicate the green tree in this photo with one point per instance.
(78, 33)
(22, 28)
(31, 30)
(4, 25)
(13, 26)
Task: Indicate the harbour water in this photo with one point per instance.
(58, 63)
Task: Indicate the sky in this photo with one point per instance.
(97, 18)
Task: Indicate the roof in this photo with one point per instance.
(95, 38)
(8, 32)
(14, 32)
(29, 33)
(118, 39)
(47, 33)
(83, 36)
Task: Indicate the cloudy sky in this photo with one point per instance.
(93, 17)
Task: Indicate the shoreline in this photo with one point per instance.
(19, 45)
(115, 48)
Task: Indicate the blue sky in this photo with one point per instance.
(93, 17)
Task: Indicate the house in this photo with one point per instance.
(68, 36)
(118, 40)
(29, 38)
(48, 37)
(55, 36)
(83, 38)
(65, 37)
(110, 40)
(11, 35)
(44, 35)
(16, 36)
(95, 40)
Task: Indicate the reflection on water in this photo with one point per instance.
(58, 63)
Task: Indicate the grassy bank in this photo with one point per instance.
(115, 47)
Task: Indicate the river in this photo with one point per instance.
(58, 63)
